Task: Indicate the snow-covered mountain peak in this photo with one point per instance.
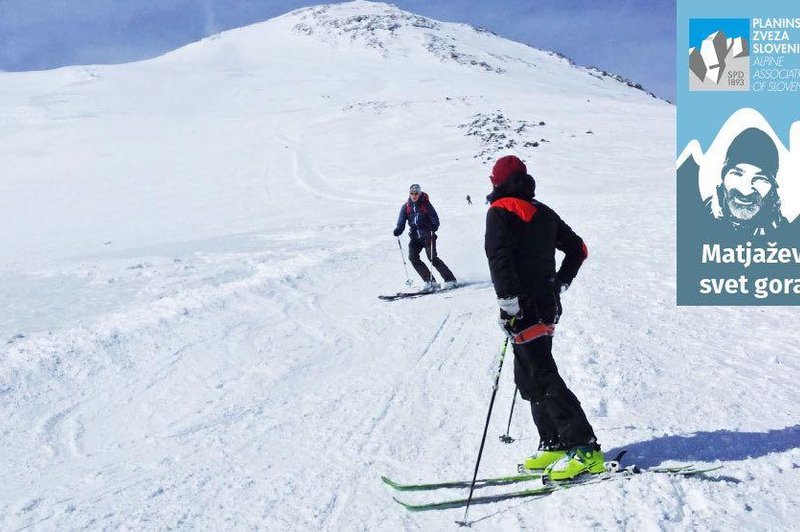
(391, 31)
(335, 35)
(359, 19)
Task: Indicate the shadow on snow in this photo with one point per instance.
(710, 446)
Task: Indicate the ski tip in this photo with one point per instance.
(388, 481)
(407, 506)
(684, 470)
(619, 456)
(701, 471)
(467, 524)
(398, 501)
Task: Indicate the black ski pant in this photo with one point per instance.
(557, 413)
(414, 249)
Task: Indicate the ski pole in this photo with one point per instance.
(485, 428)
(403, 256)
(431, 257)
(505, 438)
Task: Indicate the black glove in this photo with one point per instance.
(559, 286)
(398, 231)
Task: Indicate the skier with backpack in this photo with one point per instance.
(423, 222)
(522, 236)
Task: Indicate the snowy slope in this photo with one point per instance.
(194, 244)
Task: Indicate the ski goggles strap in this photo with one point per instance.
(533, 332)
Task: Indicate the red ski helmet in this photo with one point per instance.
(505, 167)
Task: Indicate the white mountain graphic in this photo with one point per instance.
(717, 54)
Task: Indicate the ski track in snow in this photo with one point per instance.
(201, 345)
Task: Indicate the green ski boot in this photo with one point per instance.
(541, 459)
(577, 461)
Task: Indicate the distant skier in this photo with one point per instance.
(423, 222)
(469, 200)
(522, 236)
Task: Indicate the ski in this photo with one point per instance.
(553, 486)
(420, 293)
(479, 483)
(523, 475)
(483, 499)
(406, 295)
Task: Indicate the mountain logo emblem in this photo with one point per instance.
(719, 55)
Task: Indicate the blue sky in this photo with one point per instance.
(700, 28)
(634, 38)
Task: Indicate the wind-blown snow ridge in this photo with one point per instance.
(594, 71)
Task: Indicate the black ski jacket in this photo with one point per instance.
(522, 236)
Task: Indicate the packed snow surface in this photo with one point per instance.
(192, 251)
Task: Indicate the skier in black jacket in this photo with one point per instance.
(522, 236)
(423, 222)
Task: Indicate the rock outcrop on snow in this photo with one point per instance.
(499, 133)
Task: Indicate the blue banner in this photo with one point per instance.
(738, 161)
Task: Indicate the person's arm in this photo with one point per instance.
(433, 218)
(575, 252)
(498, 245)
(401, 221)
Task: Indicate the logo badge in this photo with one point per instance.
(719, 54)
